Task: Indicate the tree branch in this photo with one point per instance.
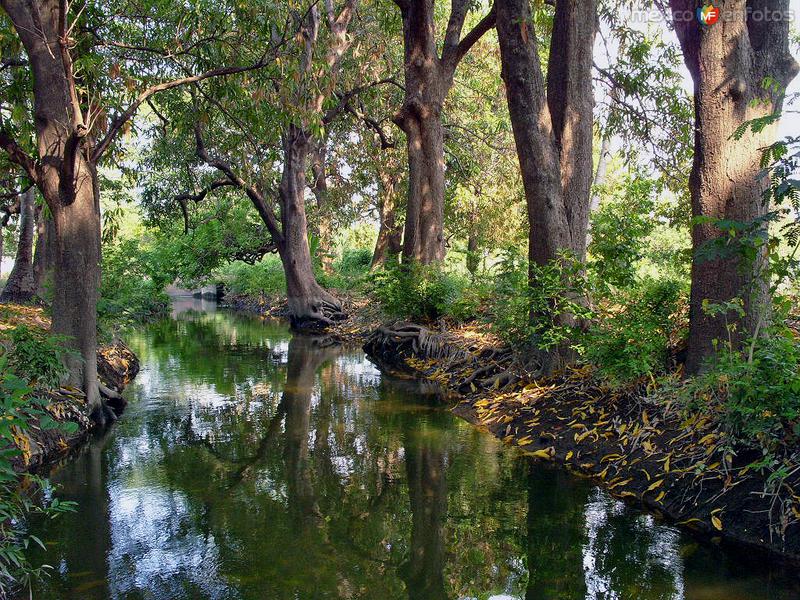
(258, 200)
(18, 156)
(452, 54)
(119, 122)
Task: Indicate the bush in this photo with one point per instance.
(630, 336)
(756, 388)
(35, 356)
(421, 292)
(19, 408)
(265, 277)
(524, 314)
(132, 285)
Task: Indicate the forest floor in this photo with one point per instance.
(117, 365)
(638, 442)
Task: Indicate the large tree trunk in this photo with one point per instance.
(552, 127)
(21, 284)
(428, 79)
(389, 242)
(44, 257)
(76, 286)
(310, 306)
(728, 62)
(67, 180)
(319, 186)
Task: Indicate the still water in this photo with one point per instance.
(256, 465)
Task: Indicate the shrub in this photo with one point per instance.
(630, 336)
(756, 387)
(35, 356)
(523, 313)
(264, 277)
(19, 408)
(131, 289)
(420, 292)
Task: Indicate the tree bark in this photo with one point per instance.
(428, 79)
(21, 284)
(319, 187)
(389, 243)
(66, 176)
(310, 306)
(728, 63)
(44, 257)
(552, 126)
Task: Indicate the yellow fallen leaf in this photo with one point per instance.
(655, 485)
(546, 454)
(715, 520)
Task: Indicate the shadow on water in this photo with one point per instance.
(252, 464)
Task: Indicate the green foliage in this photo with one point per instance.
(132, 285)
(619, 232)
(35, 356)
(264, 277)
(351, 271)
(756, 388)
(20, 407)
(630, 336)
(423, 293)
(544, 312)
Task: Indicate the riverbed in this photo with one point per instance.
(253, 464)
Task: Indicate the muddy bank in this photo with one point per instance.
(637, 443)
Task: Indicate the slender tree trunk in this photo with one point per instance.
(44, 257)
(473, 253)
(310, 306)
(67, 180)
(728, 62)
(601, 172)
(389, 242)
(552, 126)
(21, 284)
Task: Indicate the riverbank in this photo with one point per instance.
(638, 442)
(117, 365)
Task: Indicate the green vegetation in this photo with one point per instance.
(30, 364)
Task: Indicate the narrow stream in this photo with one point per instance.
(252, 464)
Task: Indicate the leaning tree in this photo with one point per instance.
(265, 136)
(93, 66)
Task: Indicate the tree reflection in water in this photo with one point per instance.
(252, 464)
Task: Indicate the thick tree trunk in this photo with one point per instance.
(21, 284)
(76, 285)
(423, 240)
(68, 182)
(44, 257)
(310, 306)
(728, 62)
(428, 79)
(389, 243)
(552, 127)
(319, 186)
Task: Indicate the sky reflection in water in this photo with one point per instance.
(253, 465)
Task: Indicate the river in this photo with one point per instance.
(256, 465)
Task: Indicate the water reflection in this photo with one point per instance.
(252, 465)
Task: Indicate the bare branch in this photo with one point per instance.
(18, 156)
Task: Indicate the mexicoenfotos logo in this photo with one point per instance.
(708, 15)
